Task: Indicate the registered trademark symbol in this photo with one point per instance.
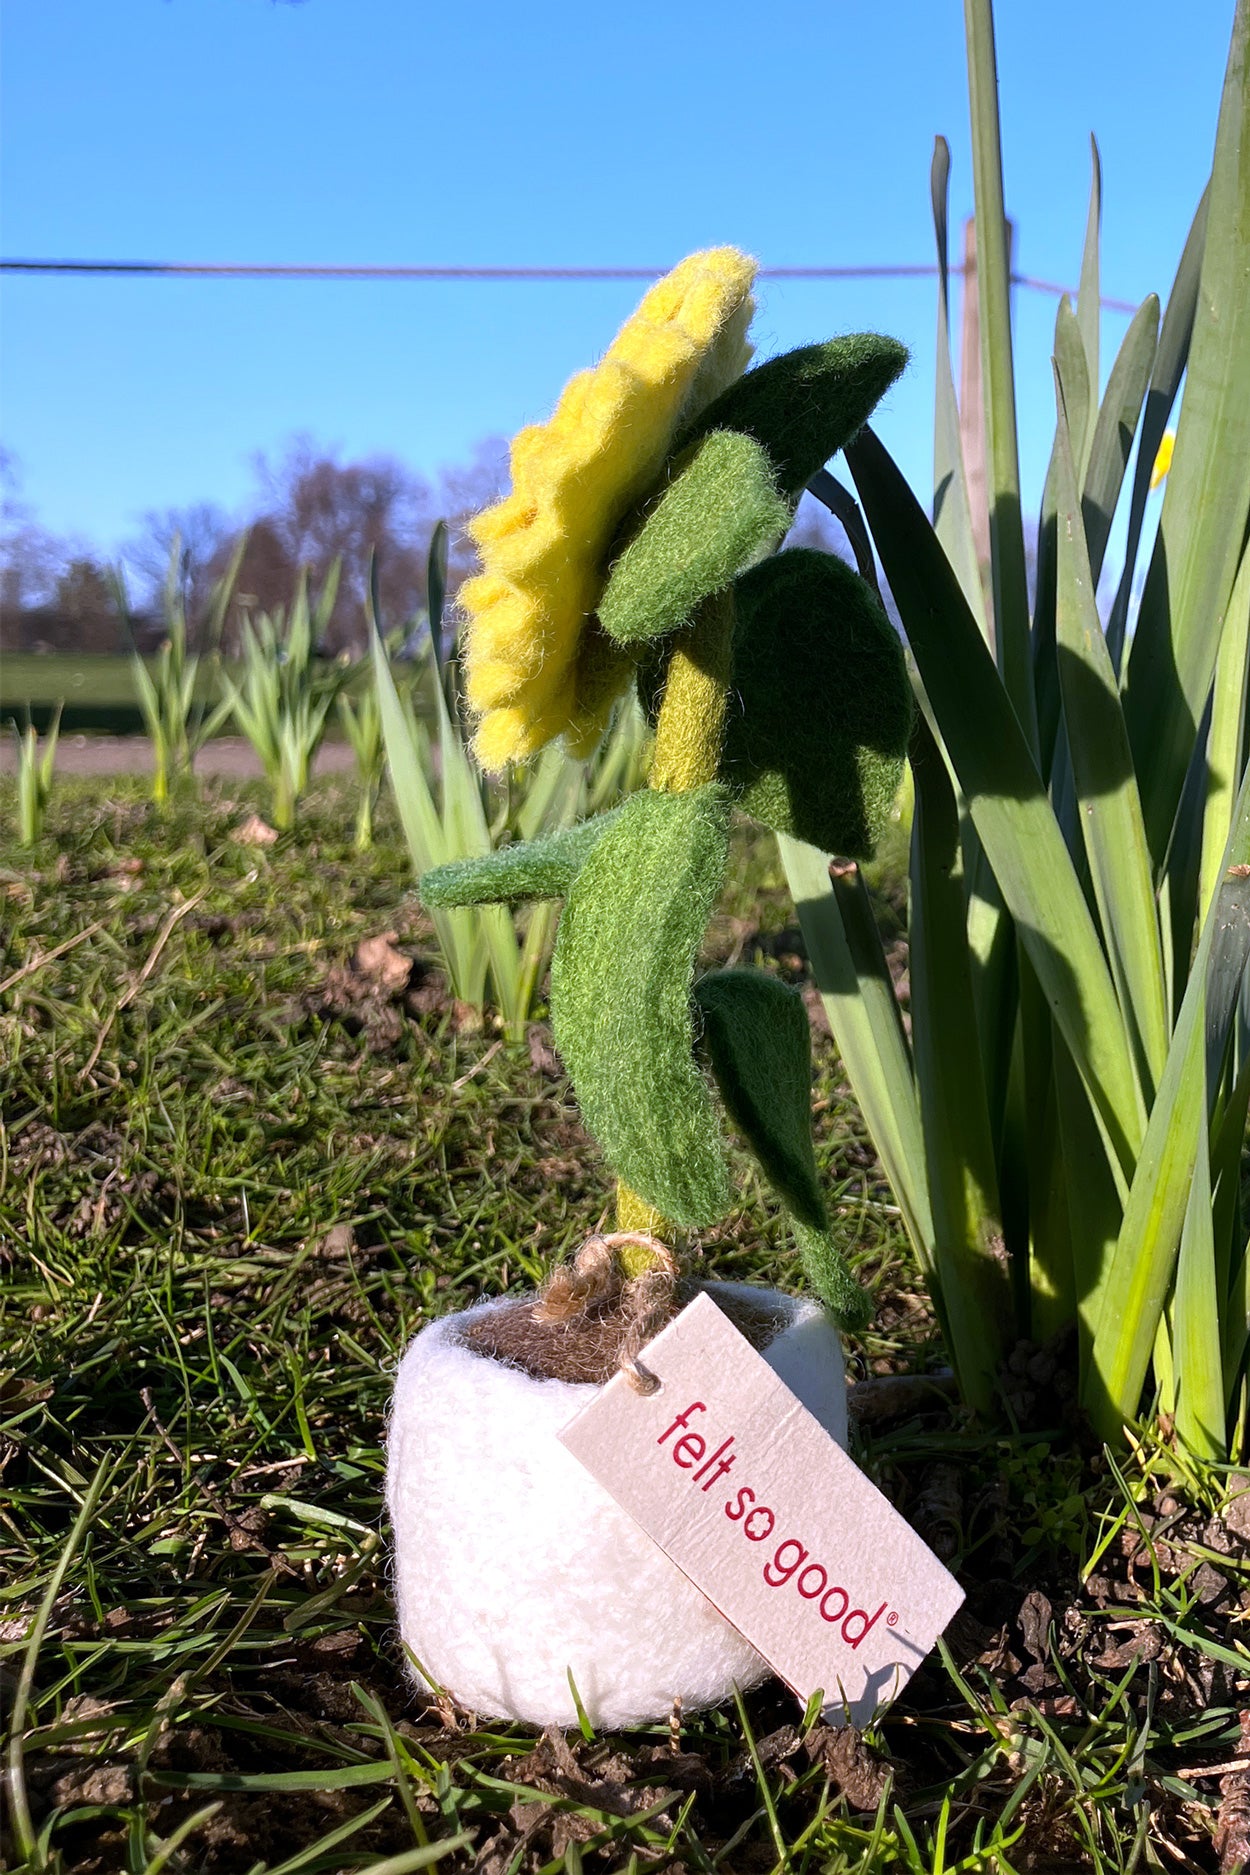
(891, 1620)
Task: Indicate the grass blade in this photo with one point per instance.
(1007, 802)
(1207, 499)
(19, 1808)
(1165, 379)
(1007, 561)
(1074, 371)
(1106, 786)
(1089, 298)
(435, 598)
(1229, 734)
(1196, 1321)
(959, 1149)
(855, 987)
(1069, 357)
(1140, 1273)
(1118, 416)
(1093, 1195)
(419, 816)
(952, 509)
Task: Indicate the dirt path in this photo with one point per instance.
(132, 755)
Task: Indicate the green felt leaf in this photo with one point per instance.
(827, 1272)
(759, 1044)
(803, 406)
(621, 998)
(529, 869)
(716, 514)
(820, 708)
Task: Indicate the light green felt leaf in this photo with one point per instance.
(530, 869)
(804, 406)
(820, 708)
(621, 1005)
(719, 510)
(829, 1276)
(759, 1044)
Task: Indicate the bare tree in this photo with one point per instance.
(318, 510)
(53, 594)
(30, 557)
(464, 489)
(311, 508)
(202, 531)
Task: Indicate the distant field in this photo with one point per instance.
(97, 692)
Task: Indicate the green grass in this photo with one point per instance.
(235, 1177)
(97, 690)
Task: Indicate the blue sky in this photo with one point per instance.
(389, 131)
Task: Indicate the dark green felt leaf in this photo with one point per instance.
(759, 1044)
(803, 406)
(820, 707)
(530, 869)
(620, 998)
(719, 510)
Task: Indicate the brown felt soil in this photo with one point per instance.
(586, 1349)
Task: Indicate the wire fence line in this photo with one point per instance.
(274, 270)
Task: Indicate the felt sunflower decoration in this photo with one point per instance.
(641, 538)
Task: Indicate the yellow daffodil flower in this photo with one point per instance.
(1163, 461)
(537, 666)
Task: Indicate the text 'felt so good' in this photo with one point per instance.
(751, 1498)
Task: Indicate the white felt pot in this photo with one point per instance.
(514, 1568)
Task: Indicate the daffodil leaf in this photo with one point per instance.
(804, 406)
(759, 1044)
(820, 706)
(715, 515)
(531, 869)
(621, 998)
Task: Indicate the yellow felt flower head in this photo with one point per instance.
(536, 666)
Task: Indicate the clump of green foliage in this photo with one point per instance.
(176, 712)
(35, 769)
(284, 697)
(1064, 1120)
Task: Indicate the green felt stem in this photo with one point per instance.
(621, 998)
(691, 721)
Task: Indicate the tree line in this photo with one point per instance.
(309, 509)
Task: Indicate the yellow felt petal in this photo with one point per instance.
(543, 548)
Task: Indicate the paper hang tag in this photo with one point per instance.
(746, 1492)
